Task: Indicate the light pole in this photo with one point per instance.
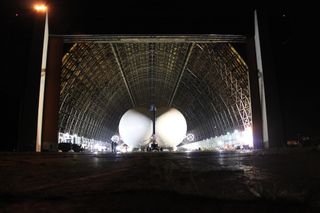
(42, 8)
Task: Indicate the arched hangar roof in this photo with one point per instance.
(206, 80)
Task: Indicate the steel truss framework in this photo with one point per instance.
(207, 81)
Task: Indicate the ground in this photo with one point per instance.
(284, 180)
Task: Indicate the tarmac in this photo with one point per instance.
(279, 180)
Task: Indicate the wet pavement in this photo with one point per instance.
(264, 181)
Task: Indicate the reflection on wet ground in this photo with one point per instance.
(161, 182)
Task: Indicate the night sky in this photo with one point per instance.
(292, 35)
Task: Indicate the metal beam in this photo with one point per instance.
(192, 38)
(181, 73)
(116, 56)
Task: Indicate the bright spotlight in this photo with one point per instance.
(247, 135)
(115, 138)
(190, 137)
(40, 8)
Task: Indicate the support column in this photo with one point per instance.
(254, 95)
(272, 117)
(52, 95)
(30, 95)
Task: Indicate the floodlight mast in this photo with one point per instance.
(42, 8)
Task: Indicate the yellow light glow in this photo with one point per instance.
(40, 8)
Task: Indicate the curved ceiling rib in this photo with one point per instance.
(207, 82)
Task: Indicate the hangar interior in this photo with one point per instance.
(205, 77)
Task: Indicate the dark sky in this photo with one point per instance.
(292, 34)
(294, 44)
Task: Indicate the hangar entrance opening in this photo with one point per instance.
(204, 78)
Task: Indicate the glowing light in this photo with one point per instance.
(98, 147)
(220, 143)
(115, 138)
(234, 140)
(190, 137)
(192, 146)
(247, 136)
(40, 8)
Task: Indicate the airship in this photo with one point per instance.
(136, 127)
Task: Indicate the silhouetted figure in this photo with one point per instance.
(115, 147)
